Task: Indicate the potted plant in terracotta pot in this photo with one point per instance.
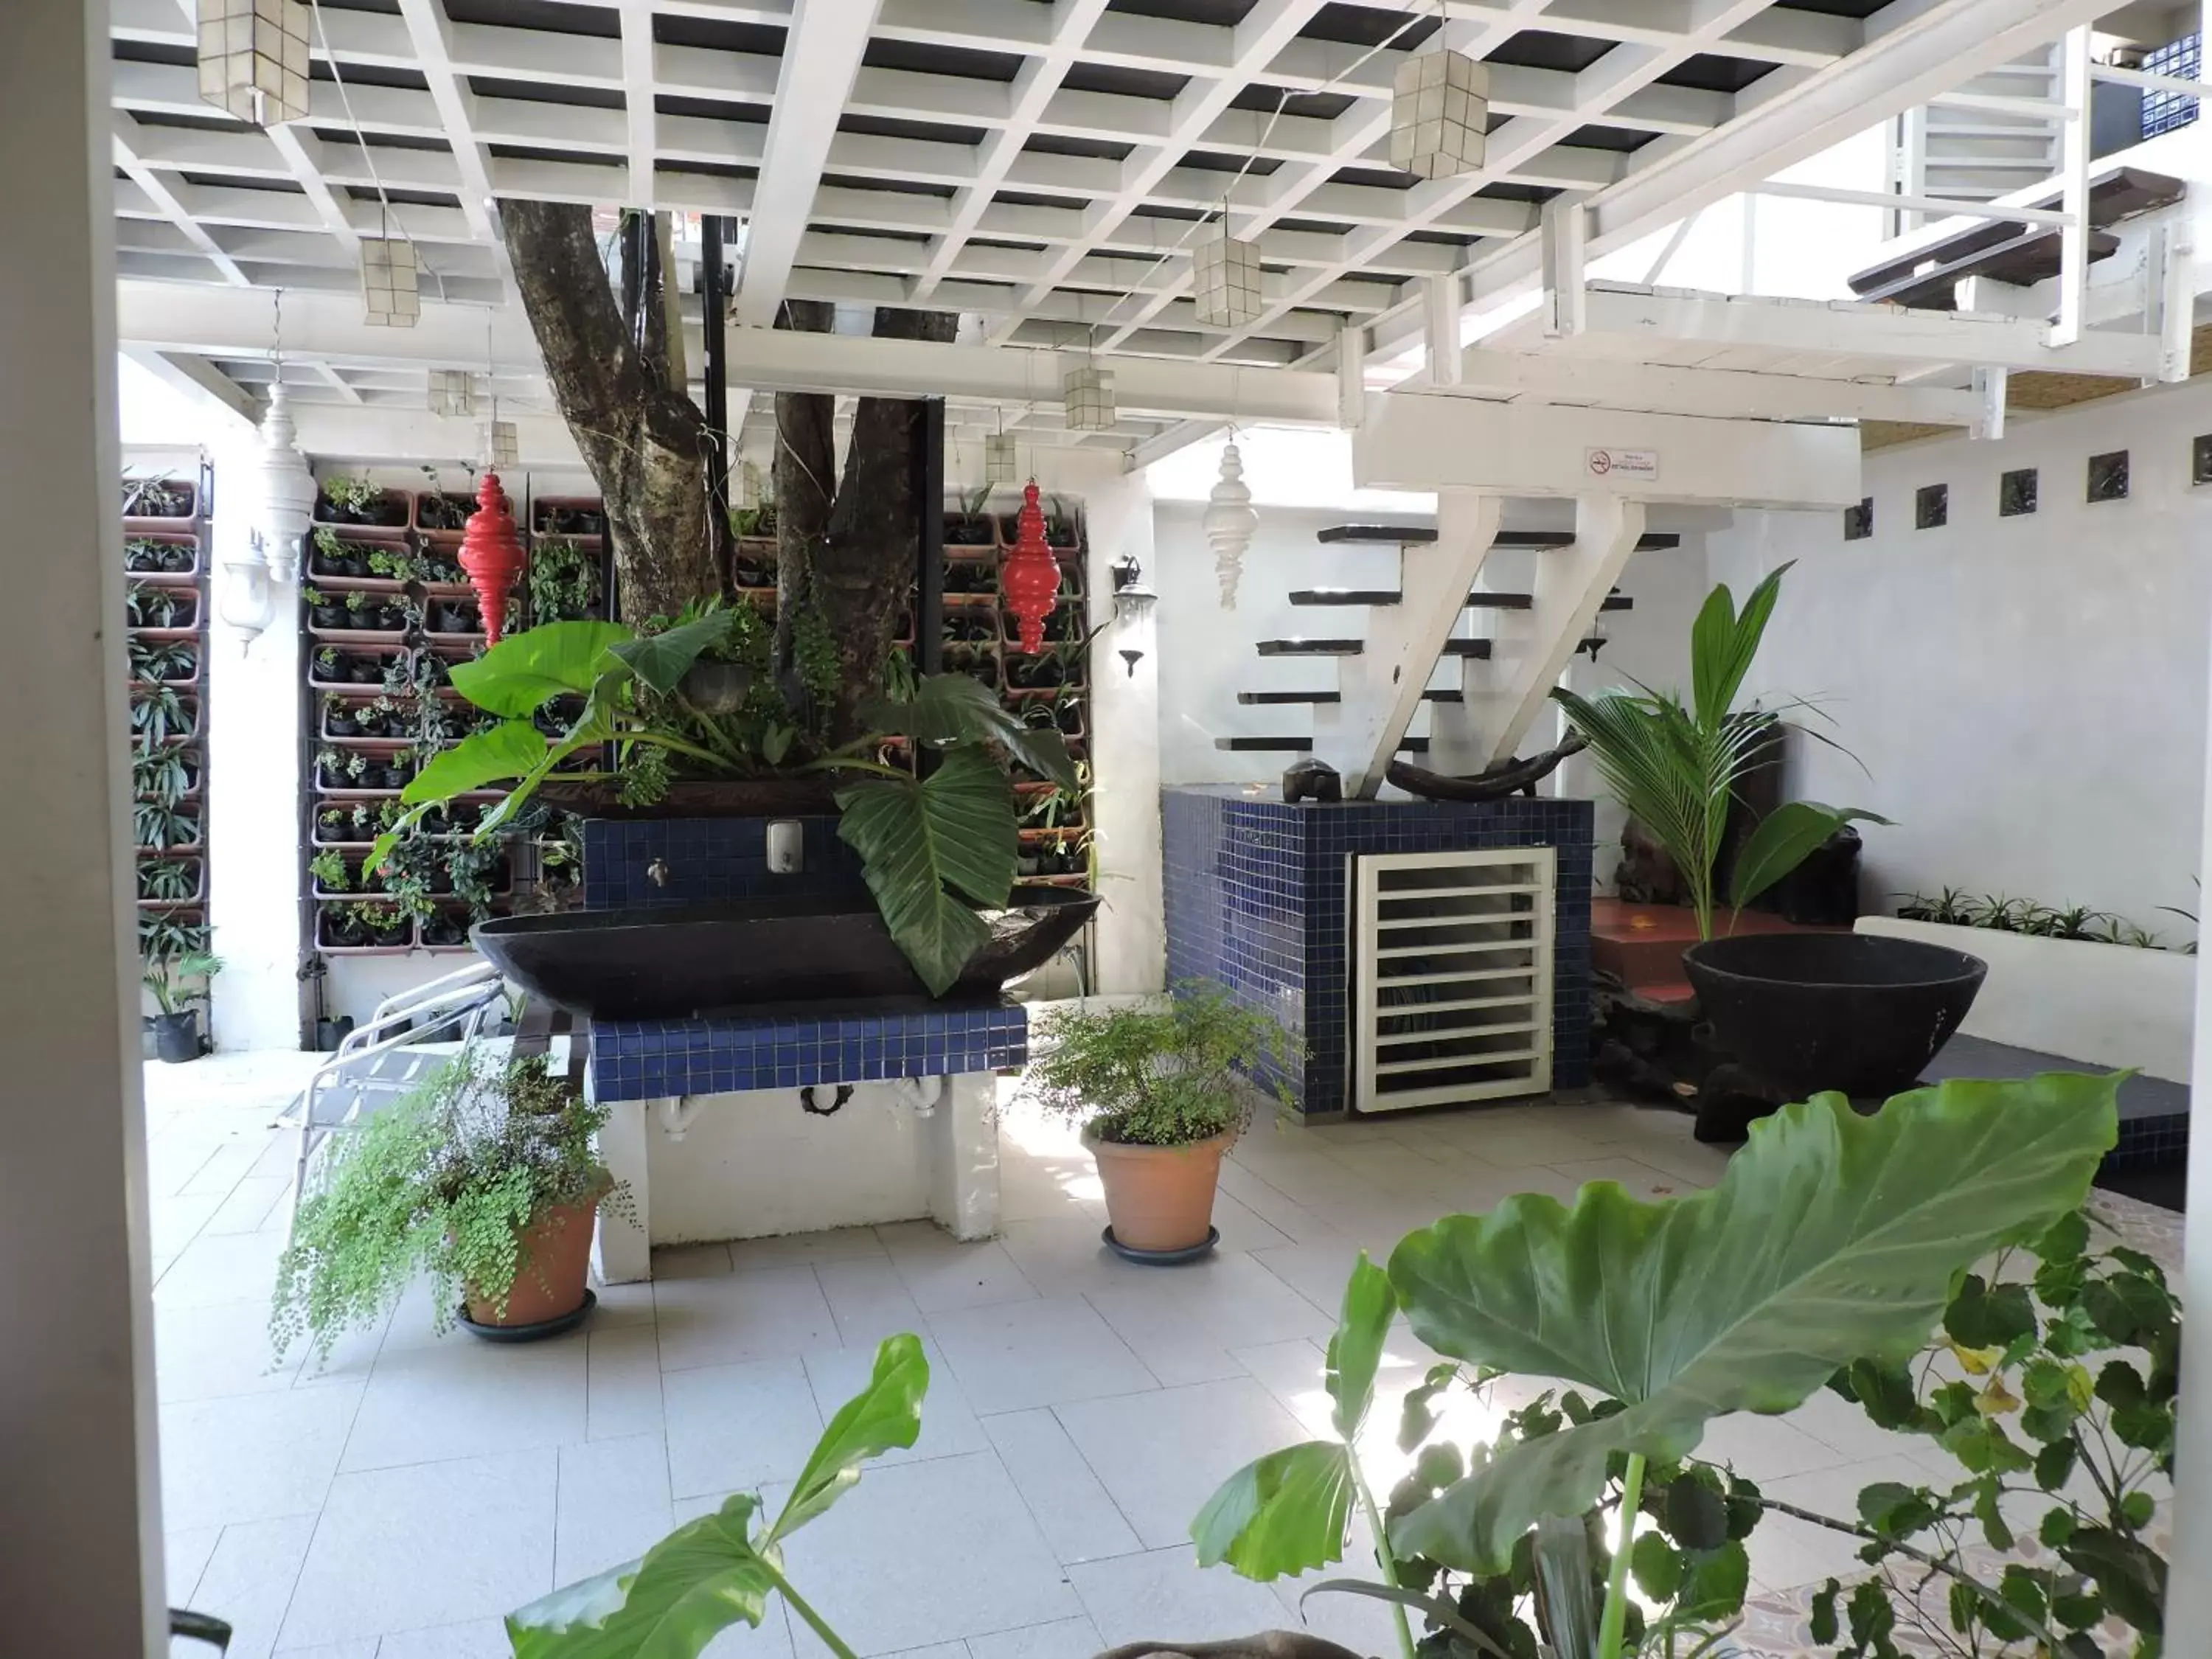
(483, 1177)
(1159, 1098)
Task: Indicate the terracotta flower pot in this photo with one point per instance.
(556, 1260)
(1159, 1198)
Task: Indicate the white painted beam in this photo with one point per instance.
(1381, 688)
(1850, 328)
(821, 60)
(2073, 197)
(1416, 442)
(1559, 377)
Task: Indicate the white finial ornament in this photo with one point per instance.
(1230, 522)
(284, 492)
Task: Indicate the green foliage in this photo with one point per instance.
(1675, 766)
(1154, 1075)
(330, 871)
(351, 494)
(444, 1182)
(1999, 913)
(564, 580)
(1688, 1309)
(2065, 1418)
(720, 1569)
(178, 980)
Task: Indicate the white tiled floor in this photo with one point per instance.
(394, 1503)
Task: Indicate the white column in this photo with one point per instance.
(1125, 748)
(80, 1507)
(2189, 1581)
(253, 793)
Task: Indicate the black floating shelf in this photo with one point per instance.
(1312, 648)
(1478, 649)
(1299, 745)
(1396, 536)
(1289, 697)
(1442, 694)
(1343, 595)
(1483, 600)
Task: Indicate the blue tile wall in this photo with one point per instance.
(1255, 899)
(646, 1059)
(708, 859)
(2145, 1141)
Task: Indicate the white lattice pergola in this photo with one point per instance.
(1040, 167)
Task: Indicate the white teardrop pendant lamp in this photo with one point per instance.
(284, 488)
(1230, 522)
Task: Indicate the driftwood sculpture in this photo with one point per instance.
(1515, 776)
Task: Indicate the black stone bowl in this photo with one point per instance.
(684, 961)
(1861, 1013)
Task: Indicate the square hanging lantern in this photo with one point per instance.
(998, 459)
(453, 392)
(1228, 281)
(390, 284)
(500, 445)
(1439, 106)
(1087, 393)
(254, 59)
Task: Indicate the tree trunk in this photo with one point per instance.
(645, 443)
(852, 556)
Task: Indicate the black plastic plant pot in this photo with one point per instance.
(177, 1036)
(1858, 1012)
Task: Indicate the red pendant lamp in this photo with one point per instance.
(1030, 579)
(491, 553)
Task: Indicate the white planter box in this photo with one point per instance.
(2104, 1005)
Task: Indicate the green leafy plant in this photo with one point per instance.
(563, 580)
(178, 981)
(398, 564)
(351, 494)
(158, 713)
(1832, 1239)
(720, 1569)
(1151, 1076)
(932, 849)
(446, 1181)
(1675, 765)
(2078, 1349)
(162, 776)
(168, 881)
(163, 659)
(158, 824)
(330, 871)
(147, 605)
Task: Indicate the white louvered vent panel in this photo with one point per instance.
(1451, 971)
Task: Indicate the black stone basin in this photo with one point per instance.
(681, 961)
(1861, 1013)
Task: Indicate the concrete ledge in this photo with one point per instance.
(2105, 1005)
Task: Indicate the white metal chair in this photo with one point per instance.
(407, 1037)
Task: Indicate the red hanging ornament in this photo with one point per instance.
(1030, 579)
(491, 553)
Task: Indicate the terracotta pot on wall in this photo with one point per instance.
(556, 1260)
(1159, 1198)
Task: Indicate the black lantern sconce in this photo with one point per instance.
(1133, 600)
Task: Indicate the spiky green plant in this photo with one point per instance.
(1675, 765)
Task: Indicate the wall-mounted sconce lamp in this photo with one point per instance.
(1133, 599)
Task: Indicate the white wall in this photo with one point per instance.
(2027, 693)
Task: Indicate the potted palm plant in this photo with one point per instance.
(177, 984)
(1158, 1094)
(483, 1177)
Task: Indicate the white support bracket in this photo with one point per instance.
(1562, 233)
(1350, 376)
(1440, 305)
(1571, 585)
(2073, 197)
(2171, 295)
(1990, 396)
(1382, 687)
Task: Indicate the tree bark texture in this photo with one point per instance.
(645, 443)
(850, 553)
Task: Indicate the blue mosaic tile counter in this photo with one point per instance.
(651, 1060)
(725, 859)
(1255, 899)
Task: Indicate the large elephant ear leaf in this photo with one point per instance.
(884, 1414)
(703, 1577)
(1279, 1515)
(1355, 1352)
(662, 660)
(1831, 1238)
(949, 708)
(923, 845)
(524, 671)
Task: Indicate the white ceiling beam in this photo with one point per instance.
(165, 201)
(640, 118)
(1645, 55)
(821, 60)
(1842, 327)
(194, 375)
(1555, 377)
(770, 360)
(221, 322)
(428, 31)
